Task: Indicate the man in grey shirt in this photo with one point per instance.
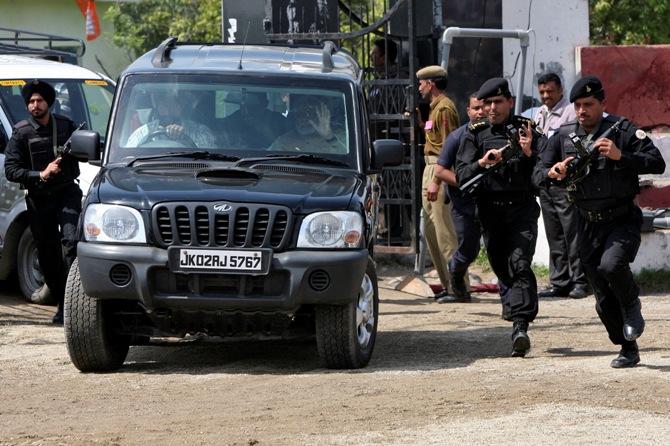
(558, 213)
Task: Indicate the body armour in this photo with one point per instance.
(609, 183)
(515, 175)
(31, 149)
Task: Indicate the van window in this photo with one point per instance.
(81, 100)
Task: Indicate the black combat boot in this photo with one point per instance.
(459, 290)
(633, 322)
(629, 356)
(520, 339)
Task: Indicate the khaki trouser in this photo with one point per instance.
(438, 226)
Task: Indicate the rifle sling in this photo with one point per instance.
(54, 135)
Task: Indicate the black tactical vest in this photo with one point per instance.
(608, 183)
(41, 151)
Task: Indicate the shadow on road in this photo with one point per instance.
(14, 310)
(394, 351)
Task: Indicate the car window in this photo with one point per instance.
(3, 139)
(232, 116)
(81, 100)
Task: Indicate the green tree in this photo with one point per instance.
(626, 22)
(141, 26)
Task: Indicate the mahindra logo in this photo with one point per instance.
(222, 207)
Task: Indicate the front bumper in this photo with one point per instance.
(295, 278)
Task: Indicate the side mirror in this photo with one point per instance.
(85, 145)
(386, 152)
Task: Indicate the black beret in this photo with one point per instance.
(35, 86)
(587, 86)
(496, 86)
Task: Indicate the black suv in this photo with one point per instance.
(237, 197)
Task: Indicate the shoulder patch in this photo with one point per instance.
(523, 121)
(478, 126)
(640, 134)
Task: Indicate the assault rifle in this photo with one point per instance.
(66, 148)
(509, 151)
(580, 167)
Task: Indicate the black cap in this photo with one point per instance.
(587, 86)
(41, 87)
(496, 86)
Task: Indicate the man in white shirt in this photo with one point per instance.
(556, 109)
(566, 275)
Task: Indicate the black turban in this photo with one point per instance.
(35, 86)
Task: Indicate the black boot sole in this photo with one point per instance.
(520, 346)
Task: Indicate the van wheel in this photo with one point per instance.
(91, 342)
(346, 334)
(29, 272)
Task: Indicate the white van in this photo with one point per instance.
(83, 96)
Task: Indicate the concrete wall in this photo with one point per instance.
(63, 17)
(558, 31)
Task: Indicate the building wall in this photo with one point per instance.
(63, 17)
(559, 28)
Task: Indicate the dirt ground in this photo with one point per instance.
(441, 374)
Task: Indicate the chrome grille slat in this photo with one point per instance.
(199, 224)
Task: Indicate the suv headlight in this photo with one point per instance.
(113, 223)
(341, 229)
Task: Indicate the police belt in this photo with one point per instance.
(48, 190)
(430, 159)
(508, 200)
(605, 214)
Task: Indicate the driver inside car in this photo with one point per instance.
(170, 124)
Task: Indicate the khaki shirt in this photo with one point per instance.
(442, 120)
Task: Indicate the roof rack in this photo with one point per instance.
(329, 48)
(16, 41)
(161, 57)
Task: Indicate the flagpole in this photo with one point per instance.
(223, 25)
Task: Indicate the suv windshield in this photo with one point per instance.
(234, 116)
(81, 100)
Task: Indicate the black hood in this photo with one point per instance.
(303, 190)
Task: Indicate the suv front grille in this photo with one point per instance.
(237, 226)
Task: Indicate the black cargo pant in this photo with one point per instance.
(53, 222)
(466, 225)
(560, 224)
(606, 249)
(510, 233)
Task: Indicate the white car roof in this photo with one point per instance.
(22, 67)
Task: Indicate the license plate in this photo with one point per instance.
(219, 260)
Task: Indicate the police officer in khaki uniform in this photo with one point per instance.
(506, 202)
(53, 199)
(442, 119)
(608, 220)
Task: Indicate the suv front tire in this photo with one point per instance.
(91, 342)
(345, 334)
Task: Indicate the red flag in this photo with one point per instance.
(89, 12)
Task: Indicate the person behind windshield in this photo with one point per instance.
(312, 131)
(170, 123)
(254, 125)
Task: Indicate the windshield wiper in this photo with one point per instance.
(302, 158)
(198, 155)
